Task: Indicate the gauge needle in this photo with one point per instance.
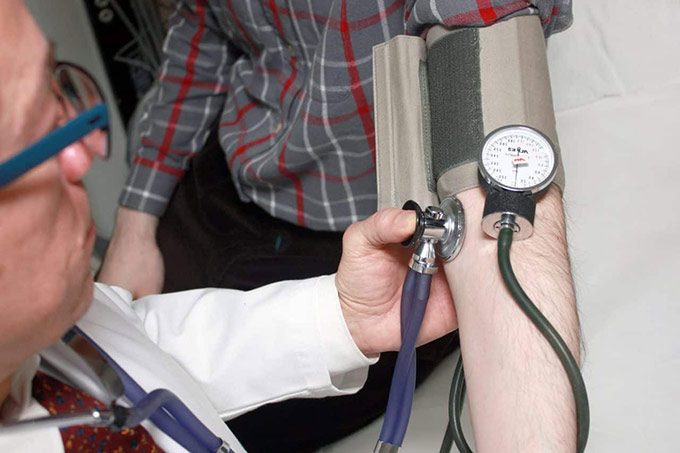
(514, 162)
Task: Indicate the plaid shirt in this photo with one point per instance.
(289, 83)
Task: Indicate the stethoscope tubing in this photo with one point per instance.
(415, 294)
(178, 422)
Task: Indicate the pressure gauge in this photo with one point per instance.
(519, 159)
(517, 162)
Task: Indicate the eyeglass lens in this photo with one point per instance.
(80, 92)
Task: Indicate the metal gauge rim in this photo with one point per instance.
(495, 183)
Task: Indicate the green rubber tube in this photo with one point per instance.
(454, 431)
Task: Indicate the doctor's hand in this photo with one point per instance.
(370, 278)
(133, 260)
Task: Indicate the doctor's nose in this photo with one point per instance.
(75, 161)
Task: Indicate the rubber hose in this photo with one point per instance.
(402, 388)
(160, 418)
(544, 326)
(551, 335)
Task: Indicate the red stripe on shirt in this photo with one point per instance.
(214, 86)
(277, 18)
(156, 165)
(276, 72)
(472, 17)
(243, 148)
(243, 128)
(239, 114)
(375, 18)
(289, 81)
(357, 89)
(146, 141)
(333, 23)
(486, 11)
(186, 83)
(316, 120)
(242, 29)
(555, 11)
(279, 26)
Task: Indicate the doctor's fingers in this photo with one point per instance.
(387, 226)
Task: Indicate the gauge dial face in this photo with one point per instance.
(518, 158)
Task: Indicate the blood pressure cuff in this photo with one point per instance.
(436, 101)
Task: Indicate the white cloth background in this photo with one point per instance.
(616, 85)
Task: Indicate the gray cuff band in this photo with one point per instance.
(480, 80)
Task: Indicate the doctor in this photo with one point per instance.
(223, 352)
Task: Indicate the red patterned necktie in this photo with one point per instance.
(58, 397)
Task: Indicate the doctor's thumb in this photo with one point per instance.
(387, 226)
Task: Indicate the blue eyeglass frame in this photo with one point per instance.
(96, 117)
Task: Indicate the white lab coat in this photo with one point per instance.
(222, 352)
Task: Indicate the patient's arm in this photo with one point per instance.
(520, 398)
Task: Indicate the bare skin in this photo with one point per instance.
(133, 260)
(520, 399)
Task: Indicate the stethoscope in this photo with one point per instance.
(516, 165)
(162, 407)
(439, 232)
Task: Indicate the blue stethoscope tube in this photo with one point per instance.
(414, 297)
(178, 422)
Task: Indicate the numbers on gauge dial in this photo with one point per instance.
(518, 158)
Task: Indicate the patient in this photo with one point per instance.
(310, 338)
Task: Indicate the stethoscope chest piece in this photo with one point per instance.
(440, 231)
(452, 241)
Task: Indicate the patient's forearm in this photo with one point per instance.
(519, 395)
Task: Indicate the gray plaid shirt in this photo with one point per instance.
(289, 83)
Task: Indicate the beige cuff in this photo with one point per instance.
(518, 94)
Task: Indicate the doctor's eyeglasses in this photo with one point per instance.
(87, 122)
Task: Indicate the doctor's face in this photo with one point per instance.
(46, 231)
